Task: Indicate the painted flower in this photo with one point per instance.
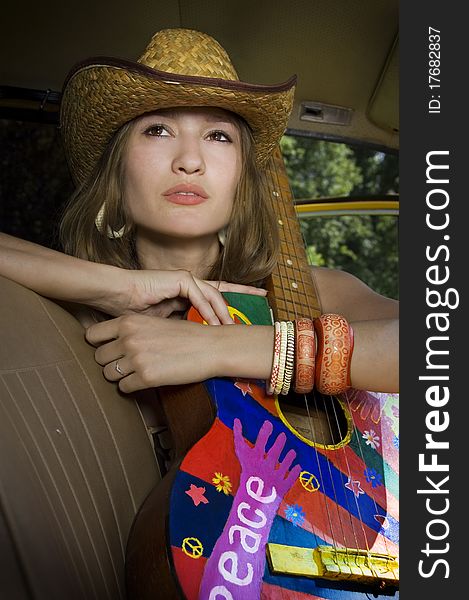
(222, 483)
(395, 441)
(371, 438)
(373, 477)
(294, 514)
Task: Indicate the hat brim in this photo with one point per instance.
(100, 95)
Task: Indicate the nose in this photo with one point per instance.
(189, 158)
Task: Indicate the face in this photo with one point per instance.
(182, 167)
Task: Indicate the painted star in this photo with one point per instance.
(244, 386)
(197, 494)
(354, 486)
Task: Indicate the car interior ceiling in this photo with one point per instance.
(345, 54)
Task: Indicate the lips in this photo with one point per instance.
(186, 193)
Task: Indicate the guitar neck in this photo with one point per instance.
(292, 293)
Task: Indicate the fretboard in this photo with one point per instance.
(292, 293)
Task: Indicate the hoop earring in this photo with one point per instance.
(222, 236)
(111, 234)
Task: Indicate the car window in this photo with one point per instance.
(347, 201)
(35, 180)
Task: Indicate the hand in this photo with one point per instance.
(261, 489)
(256, 461)
(163, 293)
(141, 352)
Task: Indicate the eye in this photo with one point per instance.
(157, 130)
(219, 136)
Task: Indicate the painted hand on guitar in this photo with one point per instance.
(236, 565)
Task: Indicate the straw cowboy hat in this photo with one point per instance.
(180, 67)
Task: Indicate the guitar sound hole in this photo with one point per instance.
(319, 419)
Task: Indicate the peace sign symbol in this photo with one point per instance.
(192, 547)
(309, 481)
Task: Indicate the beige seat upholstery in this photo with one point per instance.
(76, 461)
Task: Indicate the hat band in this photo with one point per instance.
(167, 77)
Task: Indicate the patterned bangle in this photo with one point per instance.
(305, 356)
(290, 360)
(283, 357)
(275, 364)
(334, 354)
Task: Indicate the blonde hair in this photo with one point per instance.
(251, 247)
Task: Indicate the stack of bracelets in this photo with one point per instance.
(312, 353)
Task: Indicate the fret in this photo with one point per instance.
(291, 286)
(302, 300)
(292, 262)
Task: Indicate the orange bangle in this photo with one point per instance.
(334, 354)
(305, 356)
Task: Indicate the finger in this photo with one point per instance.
(273, 454)
(238, 436)
(131, 383)
(102, 332)
(292, 476)
(217, 302)
(167, 307)
(262, 437)
(190, 290)
(224, 286)
(108, 352)
(117, 369)
(286, 462)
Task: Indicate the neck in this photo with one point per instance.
(194, 255)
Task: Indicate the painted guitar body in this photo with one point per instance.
(245, 523)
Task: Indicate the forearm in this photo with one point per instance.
(375, 359)
(244, 351)
(57, 275)
(247, 352)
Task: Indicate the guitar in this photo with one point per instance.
(272, 498)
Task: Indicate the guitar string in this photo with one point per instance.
(356, 498)
(360, 447)
(284, 198)
(330, 432)
(327, 413)
(287, 201)
(344, 452)
(320, 417)
(320, 420)
(346, 496)
(348, 467)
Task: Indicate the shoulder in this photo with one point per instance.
(343, 293)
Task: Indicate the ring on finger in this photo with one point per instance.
(118, 369)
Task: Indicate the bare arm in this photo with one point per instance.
(155, 352)
(110, 289)
(375, 321)
(57, 275)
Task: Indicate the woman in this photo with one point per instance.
(168, 156)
